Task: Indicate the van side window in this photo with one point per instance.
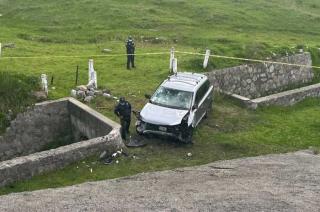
(202, 91)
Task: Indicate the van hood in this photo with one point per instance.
(155, 114)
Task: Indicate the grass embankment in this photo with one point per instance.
(16, 94)
(248, 28)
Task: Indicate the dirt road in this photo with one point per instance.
(288, 182)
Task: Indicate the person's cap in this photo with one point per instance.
(122, 99)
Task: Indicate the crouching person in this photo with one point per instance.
(123, 111)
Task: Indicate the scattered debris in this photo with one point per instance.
(189, 154)
(91, 170)
(86, 93)
(108, 159)
(136, 141)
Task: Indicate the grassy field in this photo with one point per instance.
(244, 28)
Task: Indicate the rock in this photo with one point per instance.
(98, 93)
(106, 95)
(90, 93)
(82, 88)
(40, 95)
(88, 99)
(91, 85)
(73, 93)
(81, 94)
(106, 91)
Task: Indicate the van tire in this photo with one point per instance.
(187, 139)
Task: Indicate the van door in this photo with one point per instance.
(201, 102)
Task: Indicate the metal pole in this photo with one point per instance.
(77, 74)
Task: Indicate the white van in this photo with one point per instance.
(177, 106)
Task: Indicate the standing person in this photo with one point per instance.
(130, 52)
(123, 111)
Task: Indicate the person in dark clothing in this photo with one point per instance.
(130, 52)
(123, 111)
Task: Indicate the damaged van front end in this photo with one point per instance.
(165, 122)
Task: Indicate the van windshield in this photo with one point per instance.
(172, 98)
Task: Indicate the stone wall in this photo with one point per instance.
(256, 80)
(86, 122)
(286, 98)
(34, 129)
(28, 166)
(55, 118)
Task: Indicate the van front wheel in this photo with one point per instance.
(187, 136)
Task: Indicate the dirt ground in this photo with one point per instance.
(287, 182)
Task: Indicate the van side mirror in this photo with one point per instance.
(194, 107)
(148, 96)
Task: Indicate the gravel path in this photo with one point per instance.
(287, 182)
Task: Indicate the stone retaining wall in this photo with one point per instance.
(86, 122)
(256, 80)
(286, 98)
(57, 115)
(32, 130)
(27, 166)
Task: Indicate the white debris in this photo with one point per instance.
(114, 154)
(117, 161)
(106, 95)
(189, 154)
(91, 170)
(73, 93)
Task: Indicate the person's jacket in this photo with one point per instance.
(130, 46)
(123, 110)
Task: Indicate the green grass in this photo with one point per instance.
(16, 94)
(243, 28)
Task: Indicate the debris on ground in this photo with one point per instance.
(189, 154)
(86, 93)
(136, 141)
(108, 159)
